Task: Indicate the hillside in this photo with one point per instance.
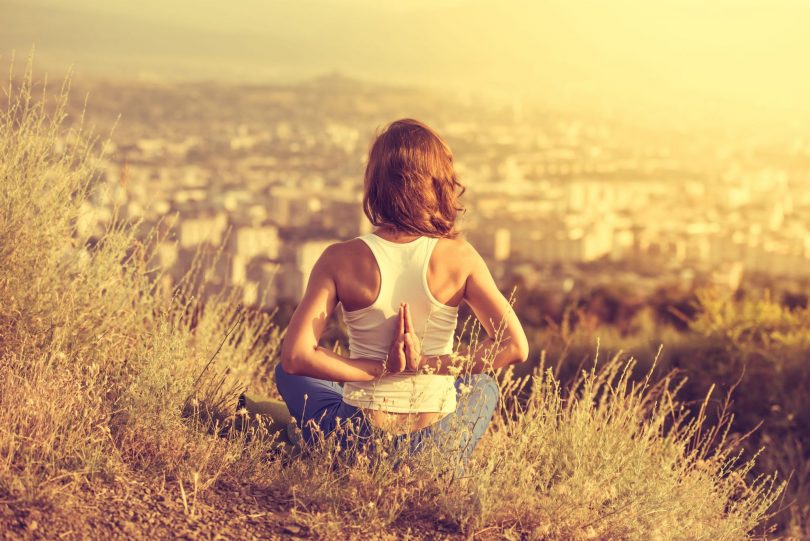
(117, 401)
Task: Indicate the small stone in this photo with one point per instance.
(128, 527)
(293, 529)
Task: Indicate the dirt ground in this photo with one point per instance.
(137, 511)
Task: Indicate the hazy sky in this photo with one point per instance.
(744, 54)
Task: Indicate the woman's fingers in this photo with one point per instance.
(408, 351)
(403, 362)
(400, 362)
(413, 353)
(397, 361)
(405, 352)
(408, 320)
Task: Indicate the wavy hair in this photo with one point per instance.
(410, 182)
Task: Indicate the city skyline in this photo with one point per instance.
(558, 202)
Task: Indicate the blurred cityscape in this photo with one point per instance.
(556, 200)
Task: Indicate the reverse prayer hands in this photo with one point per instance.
(405, 353)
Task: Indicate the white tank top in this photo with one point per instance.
(403, 275)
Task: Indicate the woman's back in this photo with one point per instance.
(401, 275)
(357, 274)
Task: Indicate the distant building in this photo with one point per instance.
(501, 249)
(551, 243)
(493, 243)
(251, 241)
(293, 276)
(202, 229)
(261, 283)
(344, 217)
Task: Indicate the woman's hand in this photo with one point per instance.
(405, 353)
(396, 361)
(413, 349)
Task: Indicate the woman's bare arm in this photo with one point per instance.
(300, 352)
(498, 320)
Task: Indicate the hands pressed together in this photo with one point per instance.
(405, 353)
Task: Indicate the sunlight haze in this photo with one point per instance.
(745, 56)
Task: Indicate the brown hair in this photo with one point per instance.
(410, 182)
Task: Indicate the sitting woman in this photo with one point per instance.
(400, 288)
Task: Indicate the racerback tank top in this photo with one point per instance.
(403, 276)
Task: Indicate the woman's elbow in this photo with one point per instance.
(292, 361)
(520, 347)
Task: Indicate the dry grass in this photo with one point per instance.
(758, 348)
(103, 374)
(97, 366)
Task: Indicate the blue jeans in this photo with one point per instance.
(320, 402)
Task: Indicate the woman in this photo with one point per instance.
(400, 287)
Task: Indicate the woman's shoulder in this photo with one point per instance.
(458, 252)
(344, 250)
(459, 245)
